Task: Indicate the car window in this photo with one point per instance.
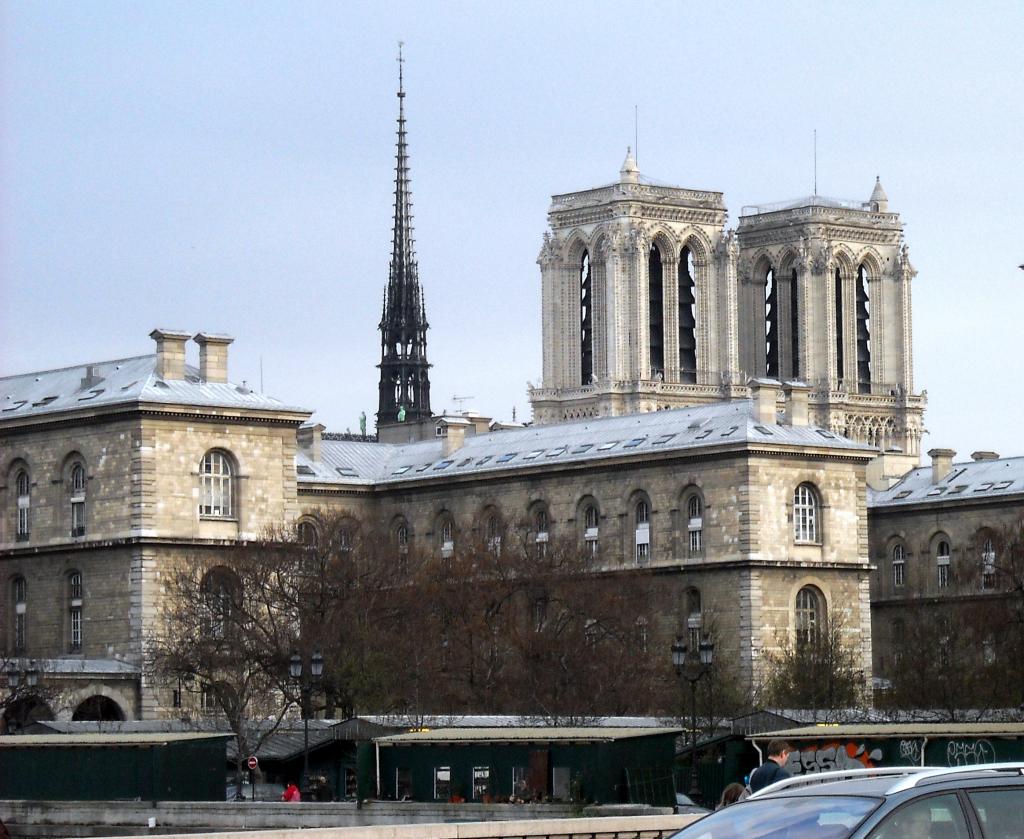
(792, 817)
(936, 817)
(1000, 811)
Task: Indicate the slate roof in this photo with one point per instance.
(588, 734)
(971, 481)
(74, 740)
(352, 462)
(123, 381)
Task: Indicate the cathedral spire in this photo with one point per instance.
(404, 379)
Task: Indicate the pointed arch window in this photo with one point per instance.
(687, 317)
(19, 596)
(805, 514)
(447, 538)
(771, 324)
(540, 530)
(794, 323)
(78, 500)
(590, 529)
(586, 321)
(810, 614)
(942, 554)
(656, 312)
(898, 566)
(217, 485)
(695, 525)
(75, 611)
(493, 534)
(23, 486)
(988, 566)
(838, 297)
(642, 532)
(863, 332)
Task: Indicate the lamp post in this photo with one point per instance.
(305, 682)
(692, 664)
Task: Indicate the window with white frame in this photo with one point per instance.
(217, 486)
(75, 611)
(695, 525)
(590, 522)
(19, 594)
(481, 782)
(942, 563)
(805, 514)
(442, 783)
(23, 486)
(447, 539)
(898, 566)
(642, 532)
(403, 783)
(988, 566)
(540, 528)
(78, 500)
(809, 615)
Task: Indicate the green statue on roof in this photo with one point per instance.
(401, 413)
(362, 423)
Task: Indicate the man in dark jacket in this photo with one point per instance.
(772, 769)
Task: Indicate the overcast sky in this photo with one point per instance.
(228, 167)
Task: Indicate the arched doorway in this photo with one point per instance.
(98, 709)
(23, 712)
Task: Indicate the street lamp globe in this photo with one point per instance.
(295, 666)
(679, 653)
(316, 664)
(707, 651)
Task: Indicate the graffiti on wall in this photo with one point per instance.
(826, 757)
(910, 751)
(969, 752)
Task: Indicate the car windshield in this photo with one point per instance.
(810, 817)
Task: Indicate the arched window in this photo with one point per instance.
(492, 528)
(656, 312)
(642, 532)
(219, 590)
(863, 333)
(695, 525)
(402, 537)
(805, 514)
(988, 566)
(687, 317)
(217, 478)
(694, 618)
(771, 324)
(586, 321)
(308, 534)
(809, 615)
(19, 594)
(898, 565)
(942, 554)
(75, 611)
(590, 524)
(78, 500)
(23, 486)
(840, 360)
(794, 324)
(447, 538)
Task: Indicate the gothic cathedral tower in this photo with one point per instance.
(404, 376)
(649, 303)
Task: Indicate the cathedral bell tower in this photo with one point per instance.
(404, 376)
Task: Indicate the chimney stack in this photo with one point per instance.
(797, 395)
(455, 436)
(213, 356)
(309, 438)
(765, 396)
(978, 456)
(942, 463)
(170, 353)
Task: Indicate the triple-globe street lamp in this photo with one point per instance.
(305, 682)
(691, 664)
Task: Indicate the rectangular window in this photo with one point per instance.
(403, 783)
(695, 527)
(442, 783)
(75, 627)
(77, 516)
(897, 573)
(19, 630)
(643, 553)
(481, 782)
(520, 788)
(23, 518)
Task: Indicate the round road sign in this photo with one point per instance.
(253, 763)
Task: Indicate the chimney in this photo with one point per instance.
(765, 397)
(213, 356)
(797, 394)
(309, 438)
(170, 353)
(942, 463)
(91, 377)
(976, 456)
(455, 436)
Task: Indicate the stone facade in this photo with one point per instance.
(648, 302)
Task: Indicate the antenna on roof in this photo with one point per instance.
(815, 161)
(459, 402)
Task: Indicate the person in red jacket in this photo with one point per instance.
(291, 793)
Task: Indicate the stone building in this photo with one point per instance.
(648, 302)
(936, 543)
(110, 472)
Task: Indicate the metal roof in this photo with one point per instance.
(971, 481)
(17, 741)
(591, 734)
(118, 382)
(883, 731)
(350, 462)
(506, 720)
